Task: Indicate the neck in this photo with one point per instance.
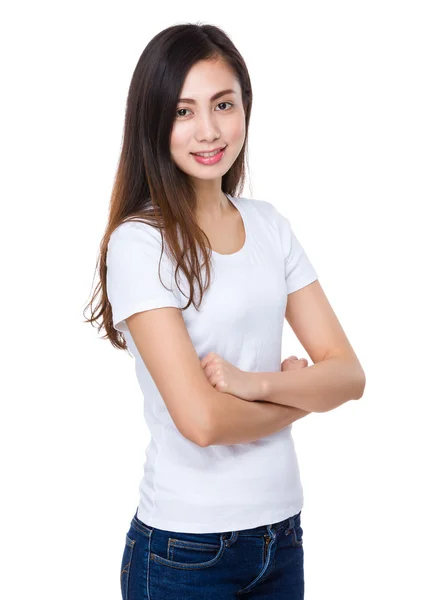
(212, 207)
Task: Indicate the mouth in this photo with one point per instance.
(212, 158)
(212, 152)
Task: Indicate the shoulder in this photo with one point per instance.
(131, 240)
(135, 234)
(256, 205)
(266, 209)
(134, 230)
(276, 224)
(263, 206)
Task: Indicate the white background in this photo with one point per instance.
(335, 144)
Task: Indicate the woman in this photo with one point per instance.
(221, 498)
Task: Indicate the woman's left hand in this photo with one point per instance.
(227, 378)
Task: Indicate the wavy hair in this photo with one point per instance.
(148, 185)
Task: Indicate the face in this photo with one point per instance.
(206, 123)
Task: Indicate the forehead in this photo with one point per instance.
(207, 77)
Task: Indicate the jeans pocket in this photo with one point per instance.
(125, 566)
(141, 526)
(188, 551)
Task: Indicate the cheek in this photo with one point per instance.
(177, 139)
(238, 130)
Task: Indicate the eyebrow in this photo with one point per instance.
(217, 95)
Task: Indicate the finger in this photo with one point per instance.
(209, 371)
(302, 363)
(214, 379)
(207, 359)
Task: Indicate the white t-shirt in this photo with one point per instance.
(186, 487)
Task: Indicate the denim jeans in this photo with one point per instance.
(262, 562)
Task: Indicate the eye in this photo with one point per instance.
(178, 110)
(219, 104)
(231, 104)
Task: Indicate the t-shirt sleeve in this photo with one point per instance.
(299, 270)
(133, 279)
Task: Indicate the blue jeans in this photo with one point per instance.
(262, 562)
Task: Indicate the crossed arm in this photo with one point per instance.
(286, 397)
(207, 416)
(236, 421)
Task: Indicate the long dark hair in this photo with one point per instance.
(148, 185)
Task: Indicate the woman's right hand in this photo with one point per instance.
(293, 363)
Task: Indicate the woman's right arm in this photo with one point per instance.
(235, 421)
(201, 413)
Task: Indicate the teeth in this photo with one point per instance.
(207, 154)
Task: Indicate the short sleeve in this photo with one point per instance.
(133, 280)
(299, 270)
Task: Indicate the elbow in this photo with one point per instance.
(198, 432)
(203, 442)
(357, 382)
(196, 435)
(196, 422)
(361, 386)
(360, 382)
(204, 427)
(201, 438)
(205, 433)
(355, 392)
(204, 436)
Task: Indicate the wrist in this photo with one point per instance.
(265, 387)
(260, 385)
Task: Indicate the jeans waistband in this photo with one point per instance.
(260, 530)
(263, 529)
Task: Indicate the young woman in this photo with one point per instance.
(221, 497)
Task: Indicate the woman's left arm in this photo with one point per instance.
(318, 388)
(336, 375)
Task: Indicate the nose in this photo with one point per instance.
(206, 129)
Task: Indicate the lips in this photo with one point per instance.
(209, 151)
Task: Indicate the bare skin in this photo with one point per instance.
(227, 378)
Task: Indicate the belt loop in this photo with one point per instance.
(231, 540)
(290, 526)
(272, 533)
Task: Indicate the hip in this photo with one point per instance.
(266, 561)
